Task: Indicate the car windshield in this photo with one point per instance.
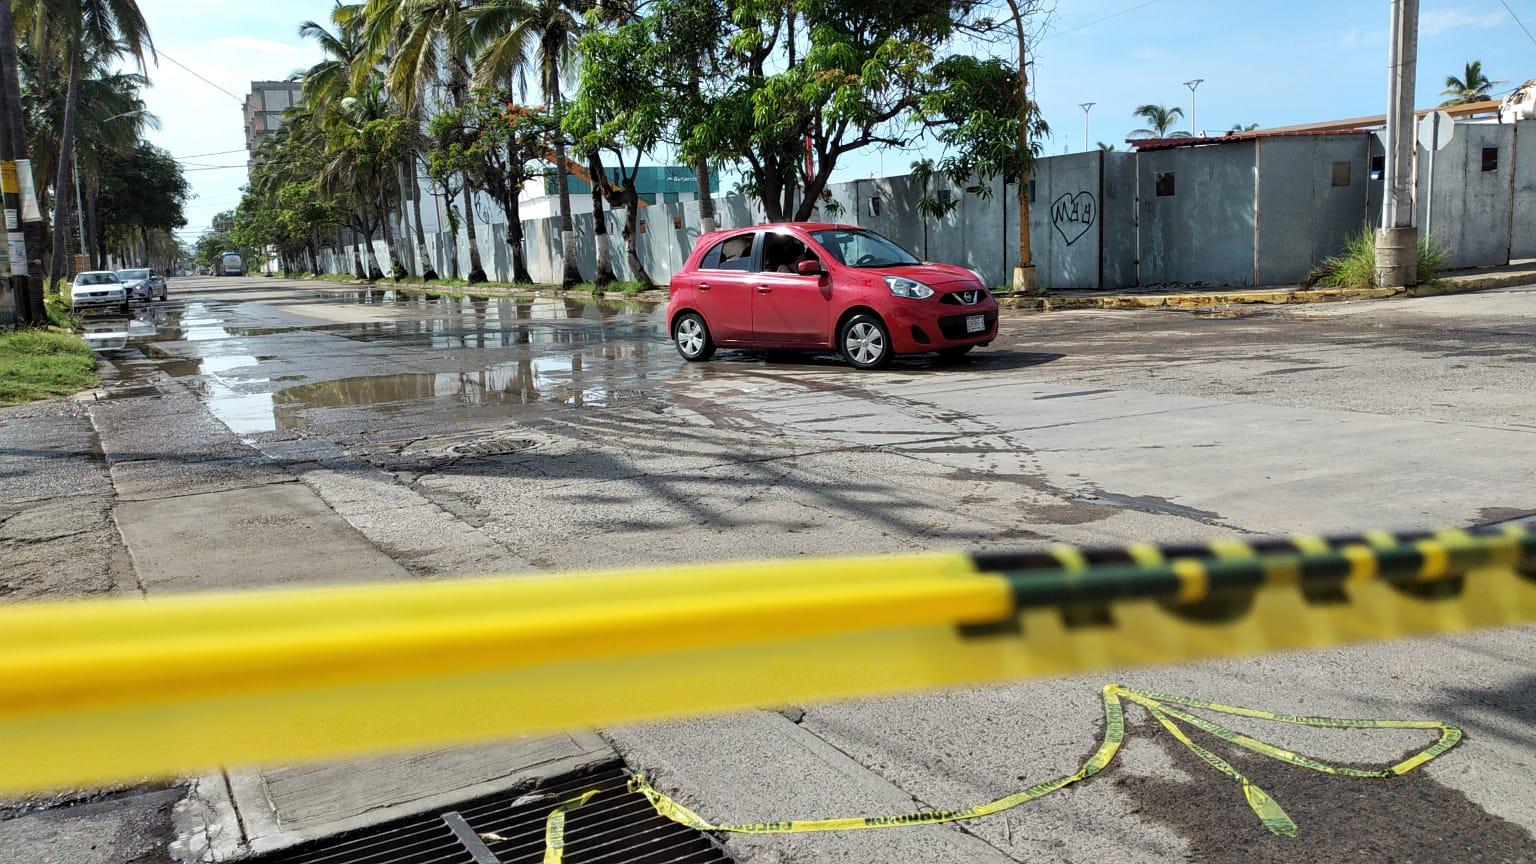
(125, 275)
(856, 247)
(96, 279)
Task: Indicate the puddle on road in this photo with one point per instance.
(231, 383)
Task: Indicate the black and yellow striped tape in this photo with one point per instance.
(97, 691)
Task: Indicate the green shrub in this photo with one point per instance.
(1355, 267)
(36, 364)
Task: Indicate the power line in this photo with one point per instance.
(1518, 21)
(1101, 20)
(215, 153)
(239, 99)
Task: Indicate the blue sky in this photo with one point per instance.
(1263, 62)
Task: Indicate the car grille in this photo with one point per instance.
(953, 326)
(964, 298)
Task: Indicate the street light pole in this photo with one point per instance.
(1086, 106)
(1192, 84)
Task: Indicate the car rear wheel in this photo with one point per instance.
(692, 336)
(865, 342)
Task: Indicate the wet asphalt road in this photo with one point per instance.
(560, 433)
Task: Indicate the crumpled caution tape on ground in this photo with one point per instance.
(1167, 709)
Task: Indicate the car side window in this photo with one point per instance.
(732, 253)
(782, 252)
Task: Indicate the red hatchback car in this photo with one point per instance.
(814, 285)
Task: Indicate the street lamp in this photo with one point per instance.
(1086, 106)
(1192, 84)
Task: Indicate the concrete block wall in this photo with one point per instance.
(1238, 213)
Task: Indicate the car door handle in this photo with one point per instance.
(764, 289)
(703, 286)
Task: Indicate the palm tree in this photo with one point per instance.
(1238, 127)
(1473, 86)
(1159, 119)
(79, 28)
(1106, 147)
(425, 35)
(515, 37)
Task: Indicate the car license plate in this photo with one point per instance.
(975, 323)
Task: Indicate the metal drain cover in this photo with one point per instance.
(493, 447)
(615, 827)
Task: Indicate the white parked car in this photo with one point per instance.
(98, 289)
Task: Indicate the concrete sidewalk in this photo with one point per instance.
(1158, 297)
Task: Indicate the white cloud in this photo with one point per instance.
(1435, 22)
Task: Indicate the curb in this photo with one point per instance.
(1450, 285)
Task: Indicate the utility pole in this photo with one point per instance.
(26, 266)
(1194, 128)
(1086, 106)
(1397, 242)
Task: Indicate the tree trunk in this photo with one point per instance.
(428, 270)
(572, 273)
(92, 197)
(405, 222)
(520, 272)
(604, 255)
(371, 227)
(707, 221)
(61, 213)
(314, 254)
(632, 234)
(29, 288)
(357, 257)
(476, 269)
(395, 270)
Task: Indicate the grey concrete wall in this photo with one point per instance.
(1204, 231)
(1242, 213)
(1471, 206)
(1303, 217)
(1522, 236)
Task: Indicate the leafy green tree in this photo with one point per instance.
(974, 111)
(72, 32)
(1160, 120)
(802, 84)
(517, 39)
(1471, 86)
(141, 191)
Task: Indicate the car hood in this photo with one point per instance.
(936, 276)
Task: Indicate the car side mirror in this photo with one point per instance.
(809, 267)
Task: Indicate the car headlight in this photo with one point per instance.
(912, 289)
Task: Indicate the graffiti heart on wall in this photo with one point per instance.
(1073, 214)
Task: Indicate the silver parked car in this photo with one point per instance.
(98, 289)
(143, 284)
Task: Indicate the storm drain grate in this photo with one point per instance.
(614, 826)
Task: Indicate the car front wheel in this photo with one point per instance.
(692, 336)
(865, 342)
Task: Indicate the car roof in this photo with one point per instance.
(95, 273)
(804, 226)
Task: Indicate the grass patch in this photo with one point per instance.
(37, 364)
(1355, 267)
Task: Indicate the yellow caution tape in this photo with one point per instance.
(1161, 706)
(99, 691)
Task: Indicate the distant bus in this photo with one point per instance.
(229, 264)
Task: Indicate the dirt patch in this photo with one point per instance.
(1410, 819)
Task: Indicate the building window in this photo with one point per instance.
(677, 223)
(278, 100)
(1341, 173)
(874, 205)
(1029, 192)
(1490, 158)
(945, 197)
(1378, 167)
(1164, 184)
